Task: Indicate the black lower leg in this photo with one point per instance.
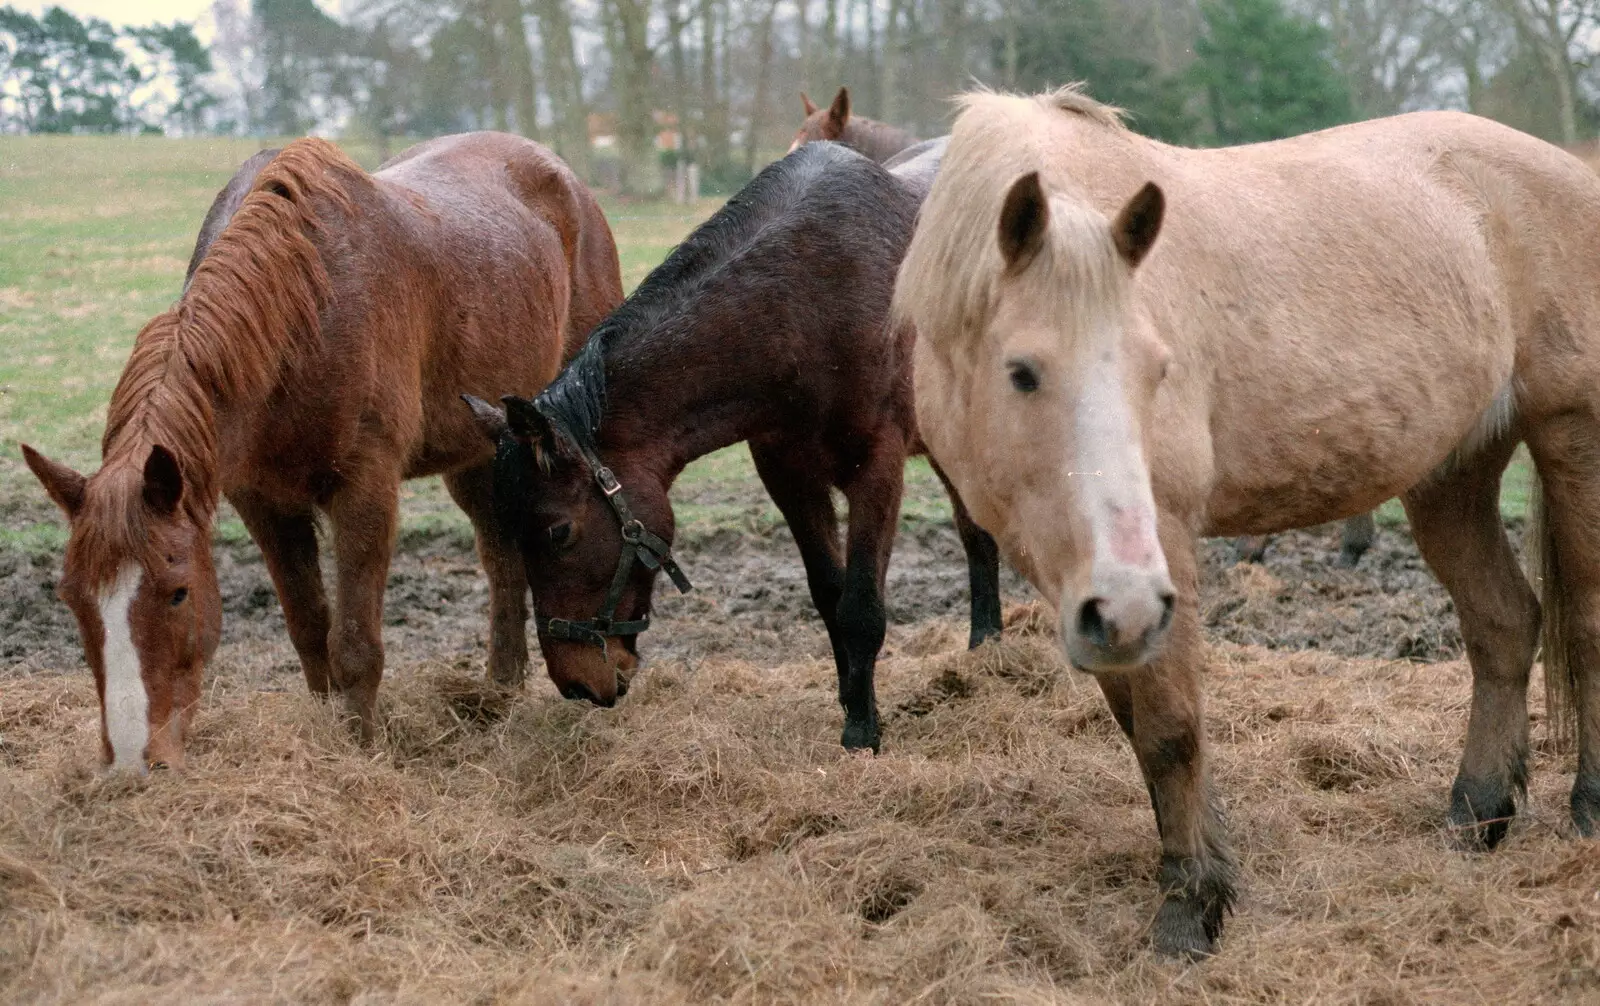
(1359, 534)
(983, 569)
(862, 624)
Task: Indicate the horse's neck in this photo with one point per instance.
(669, 410)
(881, 141)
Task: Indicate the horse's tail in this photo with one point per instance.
(1560, 670)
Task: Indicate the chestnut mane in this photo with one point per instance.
(251, 309)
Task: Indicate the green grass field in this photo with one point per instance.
(96, 235)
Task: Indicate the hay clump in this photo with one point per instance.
(707, 841)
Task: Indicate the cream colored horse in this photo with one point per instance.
(1380, 309)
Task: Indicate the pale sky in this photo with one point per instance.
(121, 12)
(126, 12)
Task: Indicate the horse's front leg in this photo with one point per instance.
(473, 491)
(365, 517)
(983, 568)
(1161, 708)
(288, 542)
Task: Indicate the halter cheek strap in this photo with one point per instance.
(638, 545)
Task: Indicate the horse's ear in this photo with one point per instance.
(810, 108)
(163, 481)
(1023, 220)
(1137, 226)
(490, 420)
(838, 114)
(526, 422)
(64, 485)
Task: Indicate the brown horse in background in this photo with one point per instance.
(1386, 308)
(878, 140)
(313, 363)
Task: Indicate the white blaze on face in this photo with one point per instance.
(127, 704)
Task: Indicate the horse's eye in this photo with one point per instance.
(560, 534)
(179, 595)
(1024, 376)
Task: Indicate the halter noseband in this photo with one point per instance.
(638, 544)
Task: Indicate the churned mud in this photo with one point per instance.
(751, 601)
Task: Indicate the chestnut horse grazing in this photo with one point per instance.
(312, 364)
(769, 324)
(1380, 309)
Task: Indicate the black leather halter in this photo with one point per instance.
(638, 544)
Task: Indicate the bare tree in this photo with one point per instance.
(1552, 27)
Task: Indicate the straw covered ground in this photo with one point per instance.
(707, 841)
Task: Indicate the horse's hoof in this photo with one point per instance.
(981, 636)
(1251, 549)
(508, 677)
(1586, 805)
(860, 736)
(1350, 558)
(1180, 931)
(1481, 813)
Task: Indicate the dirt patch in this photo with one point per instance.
(751, 599)
(1389, 606)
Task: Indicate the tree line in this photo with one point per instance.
(622, 88)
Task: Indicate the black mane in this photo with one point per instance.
(575, 401)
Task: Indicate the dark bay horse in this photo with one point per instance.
(1122, 345)
(769, 325)
(312, 363)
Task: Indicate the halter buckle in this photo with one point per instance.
(608, 482)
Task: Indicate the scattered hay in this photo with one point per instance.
(707, 841)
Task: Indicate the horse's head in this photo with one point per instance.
(1036, 374)
(547, 499)
(823, 123)
(139, 579)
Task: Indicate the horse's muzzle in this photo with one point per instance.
(1122, 625)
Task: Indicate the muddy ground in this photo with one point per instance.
(751, 599)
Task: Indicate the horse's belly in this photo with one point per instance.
(1306, 458)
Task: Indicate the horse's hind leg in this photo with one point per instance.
(365, 516)
(1567, 452)
(1359, 534)
(1160, 708)
(874, 492)
(983, 568)
(288, 542)
(1455, 518)
(473, 491)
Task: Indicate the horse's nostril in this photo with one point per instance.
(1169, 601)
(1092, 625)
(622, 686)
(577, 690)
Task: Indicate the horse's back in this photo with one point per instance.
(225, 205)
(477, 174)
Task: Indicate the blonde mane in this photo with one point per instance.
(252, 308)
(947, 279)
